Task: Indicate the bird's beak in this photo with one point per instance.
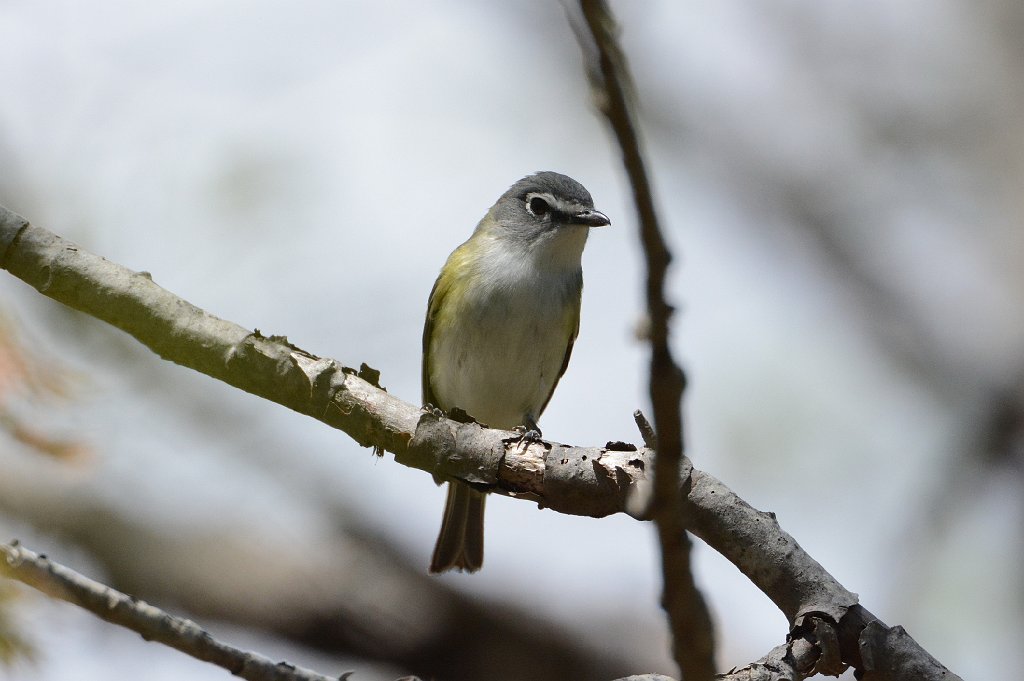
(591, 218)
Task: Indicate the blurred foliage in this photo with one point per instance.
(29, 383)
(13, 646)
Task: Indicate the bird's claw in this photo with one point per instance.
(434, 411)
(527, 436)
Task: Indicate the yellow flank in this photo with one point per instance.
(457, 276)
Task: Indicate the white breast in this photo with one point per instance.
(501, 358)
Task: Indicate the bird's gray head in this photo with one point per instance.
(541, 204)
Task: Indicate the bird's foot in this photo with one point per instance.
(435, 411)
(527, 436)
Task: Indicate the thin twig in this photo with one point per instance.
(692, 632)
(646, 429)
(153, 624)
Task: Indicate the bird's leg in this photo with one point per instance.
(431, 409)
(529, 432)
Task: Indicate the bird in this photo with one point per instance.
(501, 321)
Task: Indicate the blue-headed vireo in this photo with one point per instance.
(501, 321)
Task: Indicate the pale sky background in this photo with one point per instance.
(305, 169)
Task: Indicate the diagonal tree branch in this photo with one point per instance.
(594, 481)
(574, 480)
(689, 618)
(153, 624)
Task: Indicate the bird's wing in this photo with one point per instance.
(454, 276)
(437, 294)
(574, 331)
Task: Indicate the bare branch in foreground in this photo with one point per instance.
(689, 618)
(151, 623)
(594, 481)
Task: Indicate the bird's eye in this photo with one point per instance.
(538, 206)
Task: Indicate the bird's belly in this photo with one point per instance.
(498, 370)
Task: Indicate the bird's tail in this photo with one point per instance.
(460, 544)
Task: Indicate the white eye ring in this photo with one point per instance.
(539, 204)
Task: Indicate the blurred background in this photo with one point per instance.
(842, 184)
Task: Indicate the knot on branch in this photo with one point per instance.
(450, 449)
(814, 646)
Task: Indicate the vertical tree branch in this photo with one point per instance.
(692, 633)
